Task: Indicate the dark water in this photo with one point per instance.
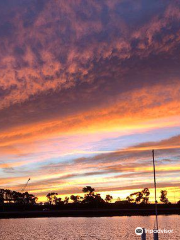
(103, 228)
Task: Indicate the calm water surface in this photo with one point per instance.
(101, 228)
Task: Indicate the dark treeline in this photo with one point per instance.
(8, 197)
(92, 198)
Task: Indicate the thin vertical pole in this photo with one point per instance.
(143, 236)
(155, 190)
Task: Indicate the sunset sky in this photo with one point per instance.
(87, 89)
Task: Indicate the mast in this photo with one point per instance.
(155, 190)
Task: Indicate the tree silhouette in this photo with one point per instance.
(52, 197)
(129, 199)
(75, 199)
(91, 197)
(89, 190)
(8, 196)
(1, 196)
(146, 193)
(29, 198)
(98, 198)
(66, 200)
(163, 197)
(139, 197)
(108, 198)
(58, 201)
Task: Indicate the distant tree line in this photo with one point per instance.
(142, 197)
(9, 196)
(90, 198)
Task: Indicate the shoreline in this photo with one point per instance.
(88, 213)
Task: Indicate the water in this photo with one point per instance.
(99, 228)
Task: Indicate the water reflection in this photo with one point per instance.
(104, 228)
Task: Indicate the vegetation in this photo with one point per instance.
(75, 199)
(52, 197)
(108, 198)
(139, 197)
(90, 198)
(163, 197)
(8, 196)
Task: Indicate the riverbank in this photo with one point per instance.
(87, 213)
